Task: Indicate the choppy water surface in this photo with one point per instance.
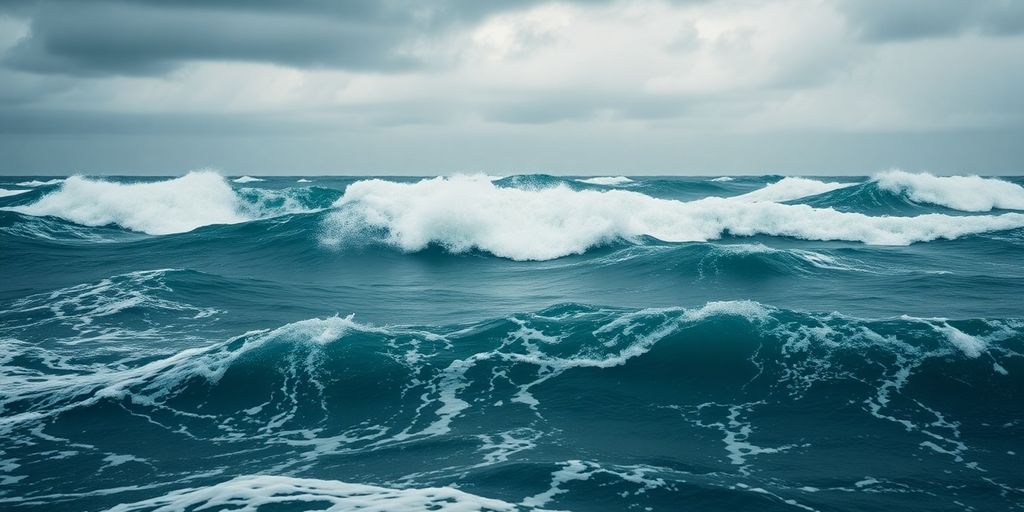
(512, 343)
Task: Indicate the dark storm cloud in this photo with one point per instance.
(148, 37)
(888, 20)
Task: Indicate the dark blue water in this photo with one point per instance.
(512, 343)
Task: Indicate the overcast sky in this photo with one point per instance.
(418, 87)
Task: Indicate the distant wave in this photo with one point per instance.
(788, 189)
(158, 208)
(722, 178)
(246, 179)
(37, 183)
(606, 180)
(966, 193)
(463, 213)
(5, 192)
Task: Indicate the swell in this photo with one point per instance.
(726, 379)
(801, 348)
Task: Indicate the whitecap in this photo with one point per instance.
(5, 192)
(610, 181)
(37, 183)
(790, 188)
(966, 193)
(463, 213)
(177, 205)
(253, 492)
(158, 208)
(246, 179)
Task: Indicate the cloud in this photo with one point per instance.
(885, 20)
(536, 72)
(146, 37)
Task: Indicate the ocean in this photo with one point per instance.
(512, 343)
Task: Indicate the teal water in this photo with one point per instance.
(512, 343)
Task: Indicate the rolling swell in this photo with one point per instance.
(709, 401)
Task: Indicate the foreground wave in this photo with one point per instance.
(727, 399)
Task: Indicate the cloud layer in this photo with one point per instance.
(667, 85)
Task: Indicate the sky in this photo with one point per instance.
(702, 87)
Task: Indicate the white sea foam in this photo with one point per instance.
(199, 198)
(158, 208)
(5, 192)
(37, 183)
(463, 213)
(246, 179)
(722, 178)
(966, 193)
(302, 180)
(790, 188)
(257, 491)
(606, 180)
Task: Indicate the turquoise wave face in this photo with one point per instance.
(345, 343)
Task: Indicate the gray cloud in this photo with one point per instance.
(149, 37)
(150, 85)
(887, 20)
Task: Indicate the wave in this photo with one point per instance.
(37, 183)
(790, 188)
(299, 398)
(464, 213)
(722, 178)
(805, 347)
(606, 180)
(199, 198)
(5, 192)
(965, 193)
(246, 179)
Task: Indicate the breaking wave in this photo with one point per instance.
(790, 188)
(5, 192)
(199, 198)
(463, 213)
(606, 180)
(965, 193)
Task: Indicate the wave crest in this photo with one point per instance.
(965, 193)
(178, 205)
(464, 213)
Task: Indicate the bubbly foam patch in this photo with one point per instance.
(722, 178)
(5, 192)
(464, 213)
(607, 180)
(246, 179)
(256, 491)
(966, 193)
(788, 189)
